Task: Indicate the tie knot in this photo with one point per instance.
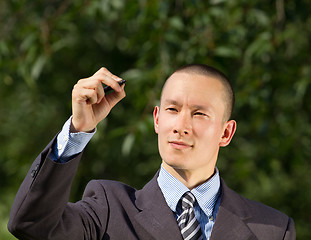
(187, 200)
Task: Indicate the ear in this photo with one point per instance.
(156, 112)
(228, 133)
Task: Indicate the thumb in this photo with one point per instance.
(115, 97)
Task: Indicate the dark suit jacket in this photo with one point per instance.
(113, 210)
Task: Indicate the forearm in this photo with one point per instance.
(41, 209)
(41, 201)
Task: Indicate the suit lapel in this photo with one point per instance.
(230, 221)
(155, 216)
(229, 226)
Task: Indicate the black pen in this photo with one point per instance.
(108, 88)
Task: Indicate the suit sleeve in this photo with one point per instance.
(290, 233)
(41, 209)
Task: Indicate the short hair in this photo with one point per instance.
(210, 71)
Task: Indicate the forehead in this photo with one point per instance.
(193, 87)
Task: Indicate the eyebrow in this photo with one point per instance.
(171, 101)
(196, 106)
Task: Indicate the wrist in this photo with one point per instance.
(74, 129)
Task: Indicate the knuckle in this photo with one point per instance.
(74, 89)
(98, 82)
(80, 82)
(92, 93)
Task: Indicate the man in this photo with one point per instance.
(185, 200)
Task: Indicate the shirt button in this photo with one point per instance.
(211, 218)
(66, 138)
(59, 147)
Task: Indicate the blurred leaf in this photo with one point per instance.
(46, 47)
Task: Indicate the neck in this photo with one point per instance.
(190, 178)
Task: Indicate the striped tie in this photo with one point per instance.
(189, 226)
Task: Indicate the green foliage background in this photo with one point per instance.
(263, 46)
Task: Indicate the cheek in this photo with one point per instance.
(163, 131)
(164, 124)
(208, 132)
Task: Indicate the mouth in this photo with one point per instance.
(180, 145)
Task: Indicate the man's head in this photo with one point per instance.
(192, 121)
(208, 71)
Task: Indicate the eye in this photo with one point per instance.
(199, 114)
(171, 109)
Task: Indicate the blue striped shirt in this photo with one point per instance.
(206, 194)
(69, 144)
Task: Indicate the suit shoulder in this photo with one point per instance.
(263, 210)
(108, 187)
(247, 207)
(268, 222)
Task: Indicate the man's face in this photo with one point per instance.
(189, 122)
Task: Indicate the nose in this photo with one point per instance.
(182, 124)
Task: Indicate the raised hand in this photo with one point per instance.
(90, 104)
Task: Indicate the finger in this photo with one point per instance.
(100, 92)
(93, 83)
(84, 95)
(105, 71)
(109, 81)
(107, 78)
(115, 97)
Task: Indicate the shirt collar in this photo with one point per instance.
(206, 194)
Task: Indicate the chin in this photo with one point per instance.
(176, 163)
